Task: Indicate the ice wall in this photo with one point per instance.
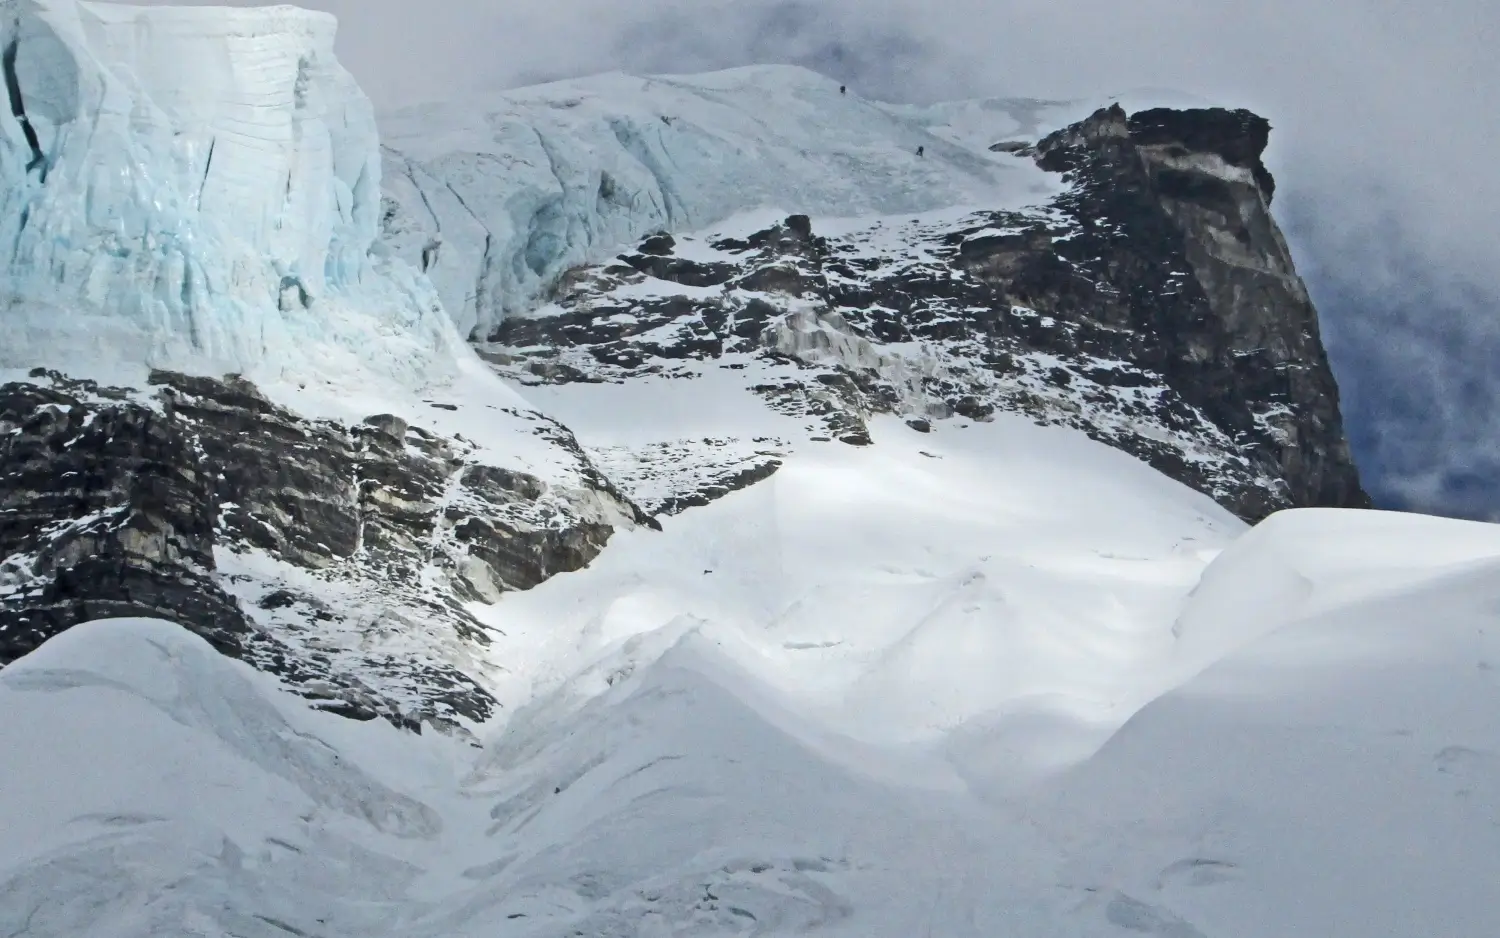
(496, 197)
(199, 187)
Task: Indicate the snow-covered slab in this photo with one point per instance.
(1339, 773)
(871, 578)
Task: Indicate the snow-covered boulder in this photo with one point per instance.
(197, 187)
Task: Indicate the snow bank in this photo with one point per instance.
(805, 707)
(1298, 564)
(200, 188)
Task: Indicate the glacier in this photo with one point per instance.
(198, 188)
(496, 198)
(208, 189)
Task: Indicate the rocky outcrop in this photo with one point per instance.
(105, 510)
(669, 477)
(311, 549)
(1153, 305)
(1243, 331)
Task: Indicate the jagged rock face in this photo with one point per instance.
(1245, 330)
(1153, 305)
(104, 511)
(209, 505)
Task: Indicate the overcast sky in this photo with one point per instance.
(1385, 116)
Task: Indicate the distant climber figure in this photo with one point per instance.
(921, 150)
(430, 252)
(843, 89)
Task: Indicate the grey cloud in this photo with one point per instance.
(1384, 116)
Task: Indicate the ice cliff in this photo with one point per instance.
(197, 188)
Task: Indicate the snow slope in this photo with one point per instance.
(197, 188)
(496, 197)
(999, 680)
(506, 193)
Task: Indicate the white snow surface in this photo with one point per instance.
(993, 679)
(507, 192)
(198, 188)
(997, 680)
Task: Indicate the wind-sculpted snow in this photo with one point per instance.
(1337, 774)
(163, 792)
(951, 683)
(199, 187)
(503, 195)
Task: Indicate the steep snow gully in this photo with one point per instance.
(823, 539)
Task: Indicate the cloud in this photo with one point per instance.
(1383, 148)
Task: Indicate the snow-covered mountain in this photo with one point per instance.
(705, 505)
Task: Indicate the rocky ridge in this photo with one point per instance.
(1153, 305)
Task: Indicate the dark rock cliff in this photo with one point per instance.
(1153, 305)
(1243, 330)
(206, 504)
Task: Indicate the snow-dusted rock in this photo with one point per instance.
(1153, 304)
(338, 557)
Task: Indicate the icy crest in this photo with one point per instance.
(198, 187)
(496, 198)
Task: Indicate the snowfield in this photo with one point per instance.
(989, 679)
(998, 680)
